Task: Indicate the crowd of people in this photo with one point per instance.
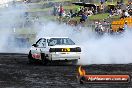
(83, 12)
(124, 10)
(120, 9)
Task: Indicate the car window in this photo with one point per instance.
(60, 41)
(52, 42)
(41, 43)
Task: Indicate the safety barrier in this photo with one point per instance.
(120, 23)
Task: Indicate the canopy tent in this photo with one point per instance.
(88, 5)
(85, 4)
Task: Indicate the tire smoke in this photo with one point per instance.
(107, 49)
(11, 18)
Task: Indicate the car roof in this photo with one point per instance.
(53, 37)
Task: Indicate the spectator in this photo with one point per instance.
(130, 12)
(102, 7)
(130, 8)
(125, 26)
(90, 12)
(120, 30)
(102, 1)
(55, 10)
(76, 13)
(70, 14)
(93, 10)
(86, 11)
(61, 11)
(123, 14)
(78, 9)
(118, 4)
(119, 11)
(111, 12)
(64, 14)
(97, 29)
(126, 14)
(27, 1)
(81, 11)
(83, 17)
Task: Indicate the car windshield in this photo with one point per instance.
(60, 41)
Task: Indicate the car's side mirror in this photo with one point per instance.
(35, 45)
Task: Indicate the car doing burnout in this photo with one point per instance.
(54, 49)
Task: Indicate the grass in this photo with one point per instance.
(39, 10)
(114, 2)
(73, 7)
(49, 18)
(99, 16)
(44, 2)
(115, 17)
(49, 9)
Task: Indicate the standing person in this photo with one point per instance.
(61, 11)
(102, 7)
(97, 28)
(70, 13)
(125, 26)
(126, 13)
(84, 17)
(80, 11)
(55, 10)
(119, 11)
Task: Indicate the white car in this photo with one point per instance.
(54, 49)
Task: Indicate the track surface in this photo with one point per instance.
(16, 72)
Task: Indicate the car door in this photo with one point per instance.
(40, 47)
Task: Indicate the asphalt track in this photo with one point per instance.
(16, 72)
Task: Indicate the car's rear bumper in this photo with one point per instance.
(65, 56)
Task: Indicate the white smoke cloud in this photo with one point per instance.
(4, 1)
(108, 50)
(104, 50)
(10, 19)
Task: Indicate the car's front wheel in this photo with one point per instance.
(30, 58)
(44, 60)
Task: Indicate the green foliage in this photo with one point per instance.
(99, 16)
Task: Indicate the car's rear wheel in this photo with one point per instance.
(74, 62)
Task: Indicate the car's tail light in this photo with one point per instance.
(77, 49)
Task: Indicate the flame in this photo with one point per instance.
(82, 72)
